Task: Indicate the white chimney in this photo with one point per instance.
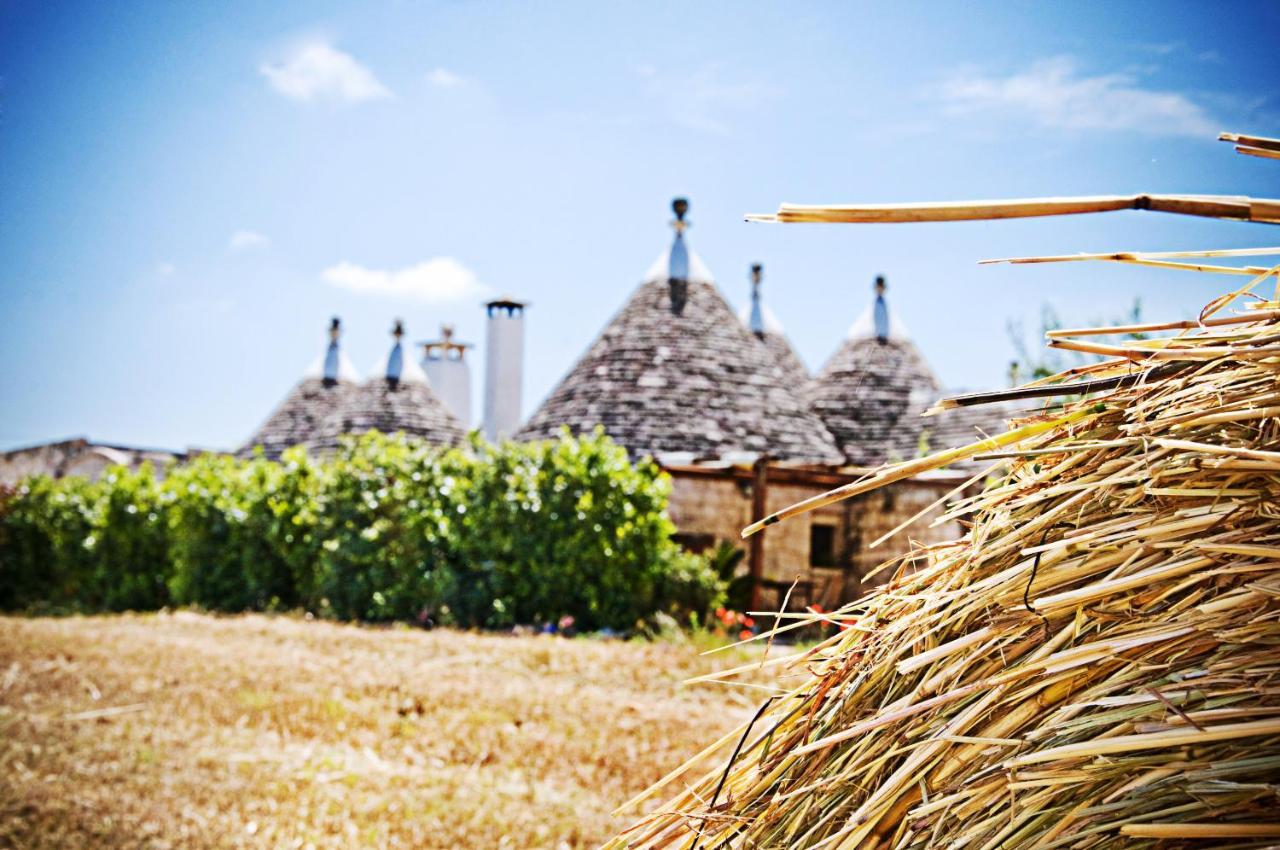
(449, 374)
(504, 368)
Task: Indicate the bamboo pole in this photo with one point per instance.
(1146, 255)
(1231, 207)
(1264, 153)
(1251, 141)
(1136, 261)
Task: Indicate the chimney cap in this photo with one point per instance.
(680, 206)
(506, 301)
(445, 345)
(880, 285)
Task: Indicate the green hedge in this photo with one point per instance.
(385, 529)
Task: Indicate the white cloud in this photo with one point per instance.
(165, 269)
(1054, 94)
(247, 240)
(318, 70)
(443, 78)
(440, 280)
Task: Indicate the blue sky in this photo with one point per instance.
(189, 190)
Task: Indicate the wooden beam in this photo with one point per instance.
(755, 546)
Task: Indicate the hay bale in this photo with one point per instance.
(1097, 662)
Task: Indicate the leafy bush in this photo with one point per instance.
(569, 526)
(385, 529)
(46, 540)
(129, 544)
(237, 529)
(383, 512)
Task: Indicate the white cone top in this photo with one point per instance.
(346, 369)
(411, 371)
(771, 323)
(864, 327)
(698, 271)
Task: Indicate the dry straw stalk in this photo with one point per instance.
(1096, 663)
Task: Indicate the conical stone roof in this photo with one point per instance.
(761, 321)
(324, 388)
(872, 391)
(397, 398)
(677, 376)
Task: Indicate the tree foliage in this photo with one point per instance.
(384, 529)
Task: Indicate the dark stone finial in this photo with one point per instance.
(678, 260)
(395, 361)
(881, 312)
(332, 362)
(756, 321)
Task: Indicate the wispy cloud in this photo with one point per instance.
(1053, 93)
(246, 240)
(443, 78)
(165, 269)
(706, 98)
(319, 71)
(440, 280)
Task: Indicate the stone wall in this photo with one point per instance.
(710, 505)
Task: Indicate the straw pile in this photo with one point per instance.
(1096, 663)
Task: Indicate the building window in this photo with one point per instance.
(822, 545)
(693, 542)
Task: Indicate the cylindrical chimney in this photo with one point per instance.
(504, 368)
(449, 373)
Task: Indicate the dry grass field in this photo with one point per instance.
(190, 731)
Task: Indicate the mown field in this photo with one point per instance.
(190, 731)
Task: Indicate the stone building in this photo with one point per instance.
(324, 388)
(726, 407)
(331, 401)
(761, 321)
(396, 398)
(676, 376)
(80, 456)
(721, 401)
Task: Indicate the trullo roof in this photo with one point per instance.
(872, 391)
(324, 388)
(677, 376)
(396, 398)
(762, 322)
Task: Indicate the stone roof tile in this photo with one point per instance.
(691, 383)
